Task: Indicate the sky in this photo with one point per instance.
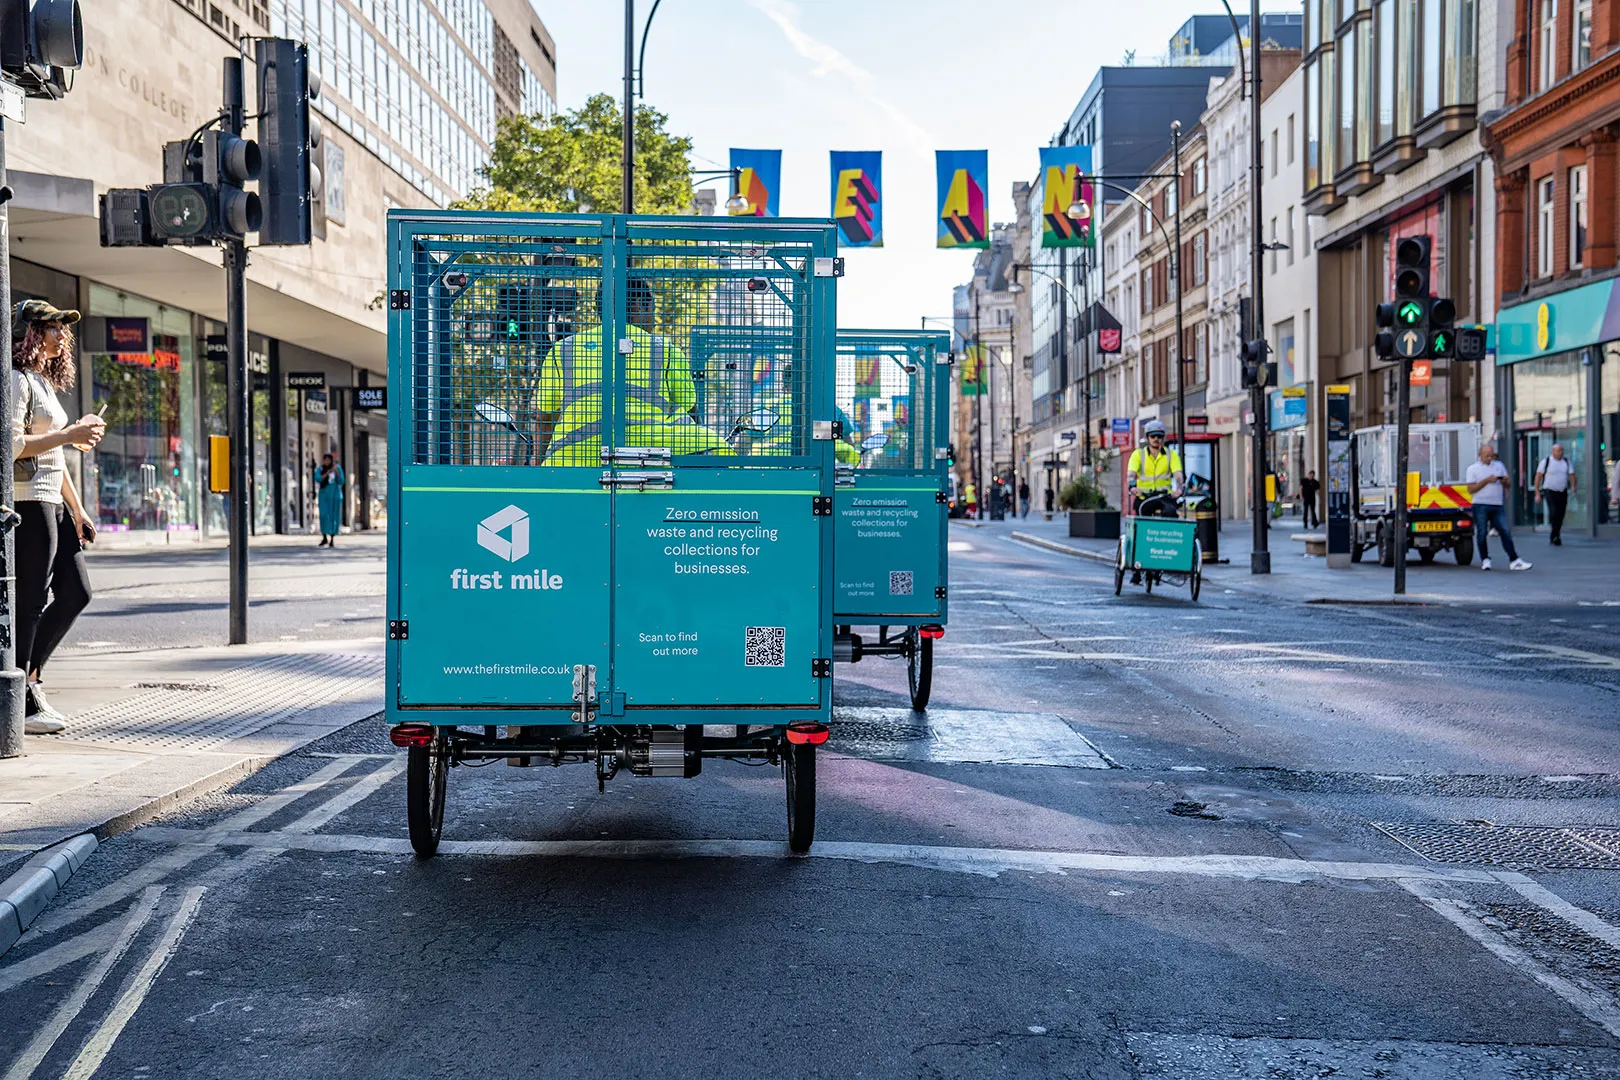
(907, 77)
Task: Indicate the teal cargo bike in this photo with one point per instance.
(592, 565)
(1163, 550)
(893, 506)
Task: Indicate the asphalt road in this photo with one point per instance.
(1134, 837)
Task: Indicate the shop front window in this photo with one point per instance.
(143, 474)
(1609, 431)
(1549, 406)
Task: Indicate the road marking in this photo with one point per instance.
(158, 869)
(1599, 1010)
(1577, 917)
(964, 736)
(71, 951)
(68, 1011)
(1590, 659)
(101, 1040)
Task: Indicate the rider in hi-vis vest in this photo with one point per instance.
(658, 393)
(1154, 471)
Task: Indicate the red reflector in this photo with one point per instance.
(932, 631)
(807, 733)
(1464, 523)
(410, 735)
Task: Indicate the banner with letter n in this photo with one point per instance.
(760, 182)
(1066, 183)
(964, 177)
(868, 373)
(857, 197)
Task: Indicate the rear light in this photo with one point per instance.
(932, 631)
(411, 734)
(1464, 523)
(807, 733)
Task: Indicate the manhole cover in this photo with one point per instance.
(1518, 847)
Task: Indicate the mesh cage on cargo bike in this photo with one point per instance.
(509, 355)
(613, 474)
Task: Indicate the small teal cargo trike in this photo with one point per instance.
(893, 396)
(590, 563)
(1161, 550)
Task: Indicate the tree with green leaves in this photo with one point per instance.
(570, 163)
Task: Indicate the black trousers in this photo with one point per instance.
(1557, 503)
(53, 583)
(1312, 517)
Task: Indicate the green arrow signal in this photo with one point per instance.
(1410, 313)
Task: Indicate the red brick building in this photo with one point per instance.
(1558, 325)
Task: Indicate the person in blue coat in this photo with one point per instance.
(329, 496)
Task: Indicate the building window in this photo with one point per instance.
(1313, 125)
(1274, 141)
(1433, 64)
(1347, 102)
(1290, 138)
(1406, 78)
(1461, 51)
(1386, 71)
(1329, 118)
(1577, 217)
(1546, 56)
(1581, 42)
(1274, 242)
(1363, 79)
(1288, 237)
(1544, 228)
(1200, 259)
(1200, 177)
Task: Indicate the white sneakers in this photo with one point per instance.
(1485, 564)
(1519, 564)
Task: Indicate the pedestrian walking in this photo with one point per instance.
(970, 495)
(1023, 498)
(1309, 489)
(1488, 481)
(53, 583)
(1555, 483)
(329, 484)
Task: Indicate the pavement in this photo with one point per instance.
(1582, 570)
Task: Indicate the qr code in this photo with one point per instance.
(764, 646)
(899, 582)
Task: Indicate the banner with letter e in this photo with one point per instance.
(1064, 182)
(857, 197)
(962, 214)
(760, 182)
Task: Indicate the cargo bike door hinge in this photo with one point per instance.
(821, 668)
(821, 506)
(399, 299)
(829, 267)
(941, 497)
(584, 693)
(939, 592)
(399, 629)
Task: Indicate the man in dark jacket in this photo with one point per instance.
(1309, 489)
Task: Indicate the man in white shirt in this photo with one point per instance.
(1488, 482)
(1555, 483)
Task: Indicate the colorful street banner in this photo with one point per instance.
(973, 371)
(900, 409)
(964, 177)
(862, 410)
(857, 197)
(868, 374)
(1064, 170)
(760, 182)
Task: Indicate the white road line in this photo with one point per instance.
(1577, 917)
(157, 870)
(1596, 1008)
(989, 861)
(68, 1011)
(1590, 659)
(101, 1040)
(71, 951)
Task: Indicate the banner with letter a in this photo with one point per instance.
(964, 177)
(1064, 182)
(857, 197)
(760, 182)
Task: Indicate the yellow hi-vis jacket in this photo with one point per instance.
(1154, 472)
(657, 391)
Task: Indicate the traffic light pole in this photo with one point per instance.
(1260, 556)
(238, 384)
(1403, 421)
(11, 675)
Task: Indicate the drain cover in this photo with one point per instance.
(1518, 847)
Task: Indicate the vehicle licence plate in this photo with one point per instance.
(1431, 526)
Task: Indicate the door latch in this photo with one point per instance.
(637, 457)
(640, 480)
(584, 693)
(844, 476)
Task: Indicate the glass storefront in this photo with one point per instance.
(143, 475)
(377, 479)
(1549, 406)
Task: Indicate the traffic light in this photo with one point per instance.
(1257, 371)
(1442, 335)
(125, 214)
(1384, 340)
(1409, 319)
(1471, 343)
(41, 45)
(229, 162)
(290, 182)
(1412, 268)
(181, 213)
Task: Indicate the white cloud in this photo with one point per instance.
(829, 62)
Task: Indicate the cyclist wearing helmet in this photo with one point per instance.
(1153, 471)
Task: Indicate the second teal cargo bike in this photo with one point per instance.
(586, 568)
(890, 566)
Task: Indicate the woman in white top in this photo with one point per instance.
(53, 584)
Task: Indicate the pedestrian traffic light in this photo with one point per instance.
(1442, 334)
(1471, 343)
(1256, 370)
(290, 181)
(181, 213)
(228, 163)
(41, 45)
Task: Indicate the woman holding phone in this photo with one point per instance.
(53, 584)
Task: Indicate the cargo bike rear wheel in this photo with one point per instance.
(799, 771)
(426, 772)
(919, 668)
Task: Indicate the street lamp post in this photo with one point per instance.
(1175, 270)
(1260, 557)
(628, 163)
